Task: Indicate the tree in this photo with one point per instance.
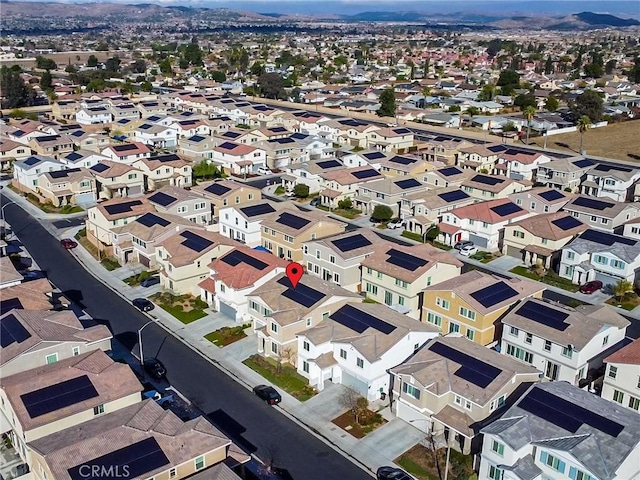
(139, 66)
(524, 101)
(508, 77)
(96, 85)
(382, 213)
(146, 86)
(112, 64)
(272, 86)
(473, 111)
(593, 70)
(387, 103)
(509, 127)
(352, 400)
(165, 67)
(301, 190)
(218, 76)
(634, 72)
(193, 54)
(15, 92)
(610, 66)
(46, 81)
(70, 69)
(487, 92)
(345, 204)
(548, 65)
(589, 104)
(45, 63)
(92, 61)
(583, 124)
(529, 112)
(19, 114)
(551, 104)
(257, 69)
(621, 288)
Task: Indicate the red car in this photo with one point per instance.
(591, 287)
(68, 243)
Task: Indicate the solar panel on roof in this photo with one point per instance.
(359, 321)
(506, 209)
(217, 189)
(125, 148)
(228, 145)
(172, 157)
(604, 238)
(329, 164)
(351, 243)
(565, 414)
(149, 220)
(254, 210)
(195, 242)
(196, 138)
(73, 156)
(136, 460)
(302, 294)
(162, 198)
(401, 131)
(63, 173)
(236, 257)
(453, 196)
(100, 167)
(12, 331)
(497, 148)
(551, 195)
(31, 161)
(487, 180)
(77, 133)
(567, 223)
(231, 134)
(121, 207)
(592, 203)
(61, 395)
(299, 136)
(494, 294)
(405, 260)
(544, 315)
(403, 160)
(471, 369)
(408, 183)
(447, 172)
(145, 126)
(583, 163)
(282, 141)
(365, 173)
(278, 130)
(374, 155)
(292, 221)
(607, 168)
(9, 304)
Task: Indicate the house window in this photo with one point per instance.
(618, 264)
(250, 196)
(222, 287)
(325, 315)
(553, 462)
(343, 354)
(613, 371)
(546, 209)
(497, 447)
(634, 403)
(401, 283)
(599, 259)
(518, 201)
(547, 345)
(305, 366)
(305, 345)
(274, 348)
(495, 473)
(288, 239)
(545, 241)
(519, 353)
(52, 358)
(274, 327)
(379, 275)
(567, 352)
(173, 472)
(435, 319)
(457, 400)
(514, 331)
(411, 391)
(465, 312)
(571, 255)
(575, 474)
(605, 340)
(360, 362)
(237, 199)
(533, 205)
(308, 322)
(518, 234)
(618, 396)
(372, 289)
(454, 327)
(99, 409)
(369, 271)
(332, 259)
(442, 303)
(318, 254)
(528, 338)
(471, 334)
(400, 300)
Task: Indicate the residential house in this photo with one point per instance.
(539, 240)
(426, 209)
(117, 180)
(151, 108)
(64, 109)
(52, 145)
(190, 127)
(520, 165)
(481, 158)
(396, 139)
(285, 231)
(234, 276)
(187, 204)
(356, 345)
(631, 228)
(81, 158)
(89, 141)
(473, 303)
(26, 172)
(607, 215)
(244, 223)
(73, 186)
(613, 182)
(442, 148)
(279, 312)
(565, 173)
(344, 183)
(388, 192)
(226, 193)
(171, 447)
(33, 295)
(448, 177)
(156, 136)
(239, 159)
(404, 165)
(164, 170)
(124, 110)
(622, 376)
(451, 386)
(197, 147)
(397, 275)
(98, 115)
(351, 132)
(602, 256)
(127, 153)
(10, 152)
(338, 259)
(541, 199)
(10, 275)
(40, 337)
(564, 343)
(91, 384)
(553, 432)
(486, 187)
(482, 223)
(309, 173)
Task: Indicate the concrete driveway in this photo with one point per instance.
(325, 405)
(388, 442)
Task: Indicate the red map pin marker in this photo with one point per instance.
(294, 273)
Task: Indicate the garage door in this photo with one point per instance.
(606, 279)
(143, 260)
(515, 252)
(354, 383)
(227, 310)
(479, 242)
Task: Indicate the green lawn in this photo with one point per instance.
(227, 335)
(551, 278)
(110, 263)
(280, 190)
(185, 308)
(628, 302)
(184, 317)
(288, 379)
(484, 257)
(135, 280)
(413, 236)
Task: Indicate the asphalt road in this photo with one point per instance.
(252, 424)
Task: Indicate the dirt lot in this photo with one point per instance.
(620, 140)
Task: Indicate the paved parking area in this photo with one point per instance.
(389, 441)
(325, 405)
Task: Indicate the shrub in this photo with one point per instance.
(301, 190)
(382, 213)
(345, 204)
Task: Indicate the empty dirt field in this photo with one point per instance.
(619, 140)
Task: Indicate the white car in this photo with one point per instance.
(264, 171)
(397, 223)
(468, 250)
(290, 193)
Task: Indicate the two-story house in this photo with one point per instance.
(33, 295)
(98, 115)
(540, 239)
(239, 159)
(563, 343)
(448, 177)
(488, 187)
(26, 172)
(397, 275)
(611, 181)
(234, 276)
(127, 153)
(339, 184)
(197, 147)
(338, 259)
(244, 222)
(52, 145)
(565, 173)
(285, 231)
(227, 193)
(621, 382)
(451, 386)
(10, 152)
(73, 186)
(542, 199)
(117, 180)
(404, 165)
(162, 170)
(607, 215)
(81, 158)
(602, 256)
(309, 172)
(156, 136)
(187, 204)
(553, 432)
(33, 338)
(356, 345)
(388, 192)
(473, 303)
(279, 312)
(480, 158)
(396, 139)
(520, 165)
(427, 208)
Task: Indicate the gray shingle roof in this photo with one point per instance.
(525, 468)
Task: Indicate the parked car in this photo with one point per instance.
(468, 250)
(395, 223)
(142, 304)
(464, 243)
(392, 473)
(315, 202)
(33, 274)
(155, 368)
(264, 171)
(375, 221)
(591, 287)
(68, 243)
(268, 394)
(150, 281)
(289, 193)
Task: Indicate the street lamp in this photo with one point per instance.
(2, 214)
(140, 339)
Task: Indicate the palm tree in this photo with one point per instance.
(621, 288)
(529, 112)
(583, 125)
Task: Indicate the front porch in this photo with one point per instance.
(537, 255)
(453, 428)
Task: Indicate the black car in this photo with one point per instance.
(155, 368)
(315, 202)
(464, 243)
(149, 281)
(392, 473)
(143, 304)
(268, 394)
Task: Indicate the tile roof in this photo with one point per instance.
(313, 218)
(33, 295)
(629, 354)
(181, 255)
(375, 243)
(482, 212)
(542, 226)
(243, 275)
(8, 272)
